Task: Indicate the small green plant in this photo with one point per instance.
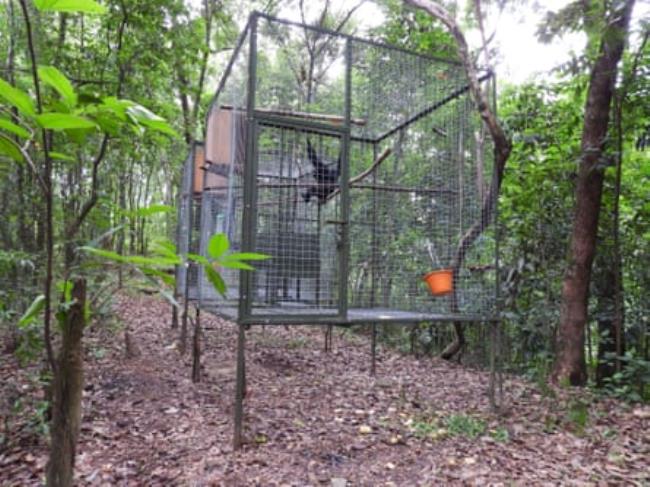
(632, 383)
(158, 268)
(296, 343)
(500, 434)
(422, 429)
(30, 343)
(577, 415)
(464, 425)
(39, 421)
(428, 429)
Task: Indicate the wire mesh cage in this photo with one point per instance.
(358, 167)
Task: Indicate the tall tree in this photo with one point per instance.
(612, 22)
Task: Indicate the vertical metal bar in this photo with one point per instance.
(190, 217)
(373, 265)
(319, 220)
(491, 386)
(374, 275)
(344, 251)
(205, 213)
(248, 227)
(239, 388)
(250, 174)
(498, 359)
(497, 233)
(373, 347)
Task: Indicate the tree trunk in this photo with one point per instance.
(570, 360)
(68, 386)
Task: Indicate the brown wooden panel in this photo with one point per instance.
(218, 145)
(199, 162)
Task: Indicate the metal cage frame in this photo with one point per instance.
(252, 121)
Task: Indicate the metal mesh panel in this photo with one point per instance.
(296, 222)
(222, 205)
(183, 225)
(222, 192)
(409, 215)
(299, 69)
(391, 87)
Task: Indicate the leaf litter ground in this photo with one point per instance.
(314, 417)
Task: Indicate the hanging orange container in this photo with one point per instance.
(440, 282)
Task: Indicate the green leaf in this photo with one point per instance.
(34, 309)
(137, 260)
(61, 157)
(97, 240)
(140, 113)
(165, 249)
(198, 258)
(9, 148)
(71, 6)
(106, 254)
(215, 278)
(160, 126)
(63, 121)
(57, 80)
(142, 116)
(236, 264)
(152, 210)
(13, 128)
(248, 256)
(17, 98)
(218, 245)
(164, 277)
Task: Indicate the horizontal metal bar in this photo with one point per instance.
(306, 319)
(323, 320)
(402, 189)
(323, 30)
(266, 119)
(311, 319)
(452, 96)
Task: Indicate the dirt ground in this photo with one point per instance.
(313, 417)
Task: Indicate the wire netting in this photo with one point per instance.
(274, 181)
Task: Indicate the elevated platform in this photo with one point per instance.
(303, 315)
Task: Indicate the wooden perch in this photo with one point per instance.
(323, 117)
(380, 158)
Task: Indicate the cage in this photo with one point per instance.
(358, 167)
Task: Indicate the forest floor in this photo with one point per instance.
(313, 417)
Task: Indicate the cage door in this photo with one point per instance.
(298, 222)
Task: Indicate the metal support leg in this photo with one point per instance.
(495, 390)
(329, 331)
(373, 341)
(499, 363)
(492, 385)
(240, 387)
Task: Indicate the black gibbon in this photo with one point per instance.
(326, 177)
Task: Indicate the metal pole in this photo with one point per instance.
(248, 228)
(491, 387)
(240, 386)
(373, 340)
(374, 274)
(345, 194)
(250, 174)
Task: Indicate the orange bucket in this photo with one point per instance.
(440, 282)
